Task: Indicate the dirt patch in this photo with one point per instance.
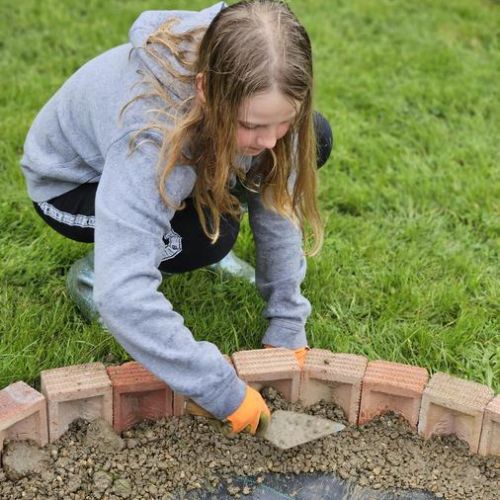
(23, 459)
(188, 453)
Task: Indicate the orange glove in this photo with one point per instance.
(253, 413)
(300, 353)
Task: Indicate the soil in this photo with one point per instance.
(181, 457)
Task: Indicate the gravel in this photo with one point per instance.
(173, 456)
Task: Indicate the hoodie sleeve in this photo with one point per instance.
(130, 221)
(280, 270)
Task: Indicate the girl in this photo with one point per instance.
(145, 150)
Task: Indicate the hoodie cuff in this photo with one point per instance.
(226, 402)
(285, 333)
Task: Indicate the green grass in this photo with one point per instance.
(409, 271)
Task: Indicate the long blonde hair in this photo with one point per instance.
(249, 48)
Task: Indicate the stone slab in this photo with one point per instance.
(23, 414)
(489, 443)
(276, 367)
(77, 391)
(334, 377)
(451, 405)
(392, 387)
(137, 395)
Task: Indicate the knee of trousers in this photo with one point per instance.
(324, 138)
(217, 251)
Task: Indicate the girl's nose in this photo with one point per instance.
(267, 139)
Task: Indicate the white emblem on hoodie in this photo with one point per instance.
(173, 245)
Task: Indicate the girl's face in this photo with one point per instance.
(262, 120)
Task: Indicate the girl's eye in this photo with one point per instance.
(255, 127)
(249, 127)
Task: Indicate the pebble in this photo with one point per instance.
(122, 488)
(102, 481)
(131, 443)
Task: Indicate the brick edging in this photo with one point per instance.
(127, 394)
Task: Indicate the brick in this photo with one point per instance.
(78, 391)
(334, 377)
(395, 387)
(138, 395)
(489, 443)
(179, 404)
(276, 367)
(180, 401)
(451, 405)
(23, 414)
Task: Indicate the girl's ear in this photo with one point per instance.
(200, 84)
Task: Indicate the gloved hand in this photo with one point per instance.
(252, 413)
(300, 353)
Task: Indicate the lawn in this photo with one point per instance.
(411, 196)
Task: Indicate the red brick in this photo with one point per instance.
(138, 395)
(333, 377)
(180, 401)
(395, 387)
(276, 367)
(23, 414)
(489, 443)
(451, 405)
(78, 391)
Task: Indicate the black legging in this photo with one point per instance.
(197, 250)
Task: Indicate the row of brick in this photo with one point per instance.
(127, 394)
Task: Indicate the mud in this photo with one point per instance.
(178, 457)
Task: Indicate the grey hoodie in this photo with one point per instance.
(77, 138)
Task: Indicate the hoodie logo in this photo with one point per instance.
(173, 245)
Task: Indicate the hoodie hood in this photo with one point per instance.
(148, 22)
